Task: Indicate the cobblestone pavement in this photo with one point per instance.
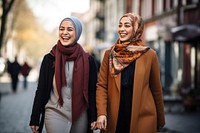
(15, 109)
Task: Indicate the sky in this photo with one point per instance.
(51, 12)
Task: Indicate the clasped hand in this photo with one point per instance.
(101, 122)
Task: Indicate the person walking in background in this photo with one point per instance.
(14, 69)
(25, 72)
(66, 90)
(129, 92)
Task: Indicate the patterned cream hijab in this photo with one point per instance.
(124, 53)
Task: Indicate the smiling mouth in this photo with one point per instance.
(65, 38)
(122, 35)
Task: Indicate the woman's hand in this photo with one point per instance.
(93, 126)
(101, 122)
(34, 129)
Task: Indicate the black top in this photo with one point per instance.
(45, 85)
(125, 107)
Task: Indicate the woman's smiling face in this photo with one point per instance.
(67, 32)
(125, 29)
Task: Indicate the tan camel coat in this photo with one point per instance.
(147, 105)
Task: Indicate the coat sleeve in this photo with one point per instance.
(102, 86)
(38, 103)
(92, 90)
(156, 88)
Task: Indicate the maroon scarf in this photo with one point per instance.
(80, 75)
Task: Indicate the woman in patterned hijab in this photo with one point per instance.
(129, 92)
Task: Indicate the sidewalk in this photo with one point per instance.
(186, 122)
(15, 109)
(180, 121)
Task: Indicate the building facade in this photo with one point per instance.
(172, 29)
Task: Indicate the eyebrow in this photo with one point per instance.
(125, 23)
(67, 27)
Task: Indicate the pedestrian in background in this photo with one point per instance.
(66, 90)
(14, 69)
(129, 92)
(26, 68)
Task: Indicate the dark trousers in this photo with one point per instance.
(25, 82)
(14, 83)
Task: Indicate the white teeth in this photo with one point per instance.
(66, 38)
(122, 35)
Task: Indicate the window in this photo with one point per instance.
(175, 3)
(146, 10)
(158, 6)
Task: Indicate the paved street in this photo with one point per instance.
(15, 109)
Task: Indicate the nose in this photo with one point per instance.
(121, 28)
(65, 31)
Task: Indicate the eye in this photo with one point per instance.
(61, 28)
(127, 25)
(120, 25)
(70, 29)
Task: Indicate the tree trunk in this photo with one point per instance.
(6, 6)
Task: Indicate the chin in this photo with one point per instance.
(65, 43)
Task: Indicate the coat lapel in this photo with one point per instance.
(139, 77)
(118, 81)
(140, 68)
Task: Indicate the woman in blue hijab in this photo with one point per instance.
(66, 92)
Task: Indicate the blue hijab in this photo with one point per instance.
(78, 27)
